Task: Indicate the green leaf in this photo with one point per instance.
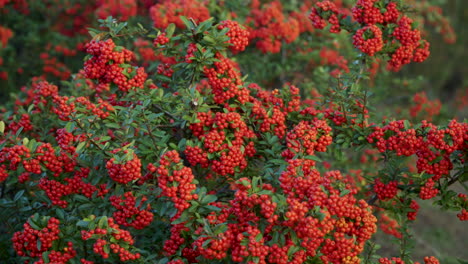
(60, 213)
(2, 127)
(80, 146)
(187, 23)
(208, 199)
(113, 125)
(18, 195)
(311, 157)
(45, 256)
(170, 30)
(344, 192)
(102, 223)
(258, 237)
(82, 223)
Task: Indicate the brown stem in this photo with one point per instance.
(165, 112)
(78, 123)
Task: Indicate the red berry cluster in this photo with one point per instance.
(428, 191)
(431, 145)
(411, 46)
(238, 36)
(109, 64)
(389, 226)
(403, 43)
(166, 12)
(369, 12)
(55, 163)
(59, 256)
(176, 239)
(14, 155)
(176, 181)
(126, 172)
(161, 40)
(322, 216)
(333, 58)
(269, 26)
(463, 199)
(63, 107)
(3, 173)
(128, 214)
(225, 81)
(191, 49)
(57, 190)
(424, 107)
(33, 242)
(270, 109)
(52, 66)
(5, 35)
(307, 137)
(24, 122)
(415, 207)
(225, 136)
(326, 11)
(121, 9)
(113, 238)
(42, 90)
(385, 191)
(395, 260)
(368, 39)
(433, 16)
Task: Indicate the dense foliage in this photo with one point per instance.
(221, 131)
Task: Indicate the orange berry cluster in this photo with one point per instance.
(269, 26)
(270, 109)
(434, 148)
(432, 145)
(238, 36)
(342, 215)
(166, 12)
(226, 137)
(128, 214)
(307, 137)
(404, 44)
(109, 65)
